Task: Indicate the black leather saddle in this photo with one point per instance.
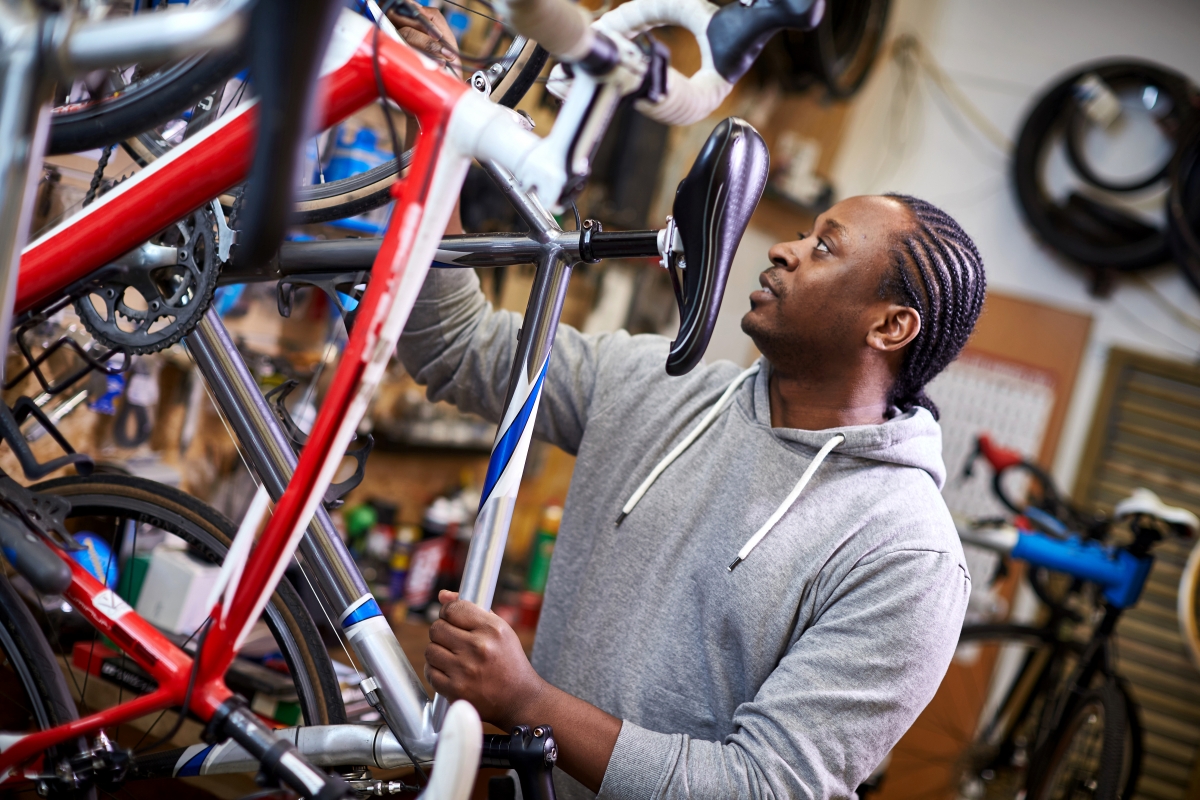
(713, 205)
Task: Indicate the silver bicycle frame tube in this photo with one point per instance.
(272, 458)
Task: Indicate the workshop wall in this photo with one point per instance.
(1002, 56)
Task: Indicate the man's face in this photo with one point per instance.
(820, 298)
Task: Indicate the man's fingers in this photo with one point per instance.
(464, 614)
(448, 636)
(439, 657)
(440, 682)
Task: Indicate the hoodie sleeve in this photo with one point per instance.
(841, 697)
(461, 349)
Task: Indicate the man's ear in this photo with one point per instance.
(894, 328)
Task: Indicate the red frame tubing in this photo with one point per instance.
(179, 182)
(430, 95)
(168, 664)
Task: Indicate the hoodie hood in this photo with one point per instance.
(911, 439)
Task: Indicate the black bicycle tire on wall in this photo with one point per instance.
(1057, 225)
(285, 615)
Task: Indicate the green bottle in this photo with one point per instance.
(543, 549)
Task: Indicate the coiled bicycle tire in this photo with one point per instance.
(1084, 229)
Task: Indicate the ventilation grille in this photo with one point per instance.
(1147, 433)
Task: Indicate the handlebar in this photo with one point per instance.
(729, 37)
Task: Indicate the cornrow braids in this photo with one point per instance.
(938, 271)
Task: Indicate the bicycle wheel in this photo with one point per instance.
(368, 190)
(976, 738)
(1095, 753)
(148, 100)
(33, 693)
(106, 505)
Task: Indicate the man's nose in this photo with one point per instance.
(785, 255)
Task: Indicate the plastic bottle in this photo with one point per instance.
(543, 549)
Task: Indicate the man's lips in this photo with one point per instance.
(767, 292)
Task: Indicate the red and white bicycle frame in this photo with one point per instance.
(456, 124)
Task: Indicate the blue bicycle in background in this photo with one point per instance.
(1039, 712)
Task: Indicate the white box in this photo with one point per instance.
(175, 594)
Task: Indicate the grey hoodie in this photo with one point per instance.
(791, 676)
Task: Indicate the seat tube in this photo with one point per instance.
(509, 451)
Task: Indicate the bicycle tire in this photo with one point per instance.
(173, 511)
(956, 762)
(28, 665)
(142, 105)
(1099, 726)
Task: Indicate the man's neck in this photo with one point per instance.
(815, 405)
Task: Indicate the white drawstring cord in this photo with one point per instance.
(787, 503)
(721, 405)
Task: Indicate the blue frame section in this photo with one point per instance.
(1119, 572)
(364, 612)
(503, 451)
(192, 768)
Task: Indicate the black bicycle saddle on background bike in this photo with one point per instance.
(712, 208)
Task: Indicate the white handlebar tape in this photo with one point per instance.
(687, 99)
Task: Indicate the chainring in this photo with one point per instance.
(144, 309)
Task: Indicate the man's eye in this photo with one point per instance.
(822, 246)
(803, 235)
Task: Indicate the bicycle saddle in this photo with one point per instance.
(738, 32)
(1144, 501)
(713, 205)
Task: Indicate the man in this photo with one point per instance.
(773, 612)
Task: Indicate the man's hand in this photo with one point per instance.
(474, 655)
(442, 48)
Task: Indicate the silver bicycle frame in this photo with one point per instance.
(414, 717)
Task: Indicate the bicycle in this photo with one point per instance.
(215, 155)
(1054, 719)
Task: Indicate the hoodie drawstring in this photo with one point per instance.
(708, 420)
(753, 541)
(723, 403)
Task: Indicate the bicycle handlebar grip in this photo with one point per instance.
(712, 208)
(562, 28)
(32, 557)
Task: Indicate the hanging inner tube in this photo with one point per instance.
(1108, 131)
